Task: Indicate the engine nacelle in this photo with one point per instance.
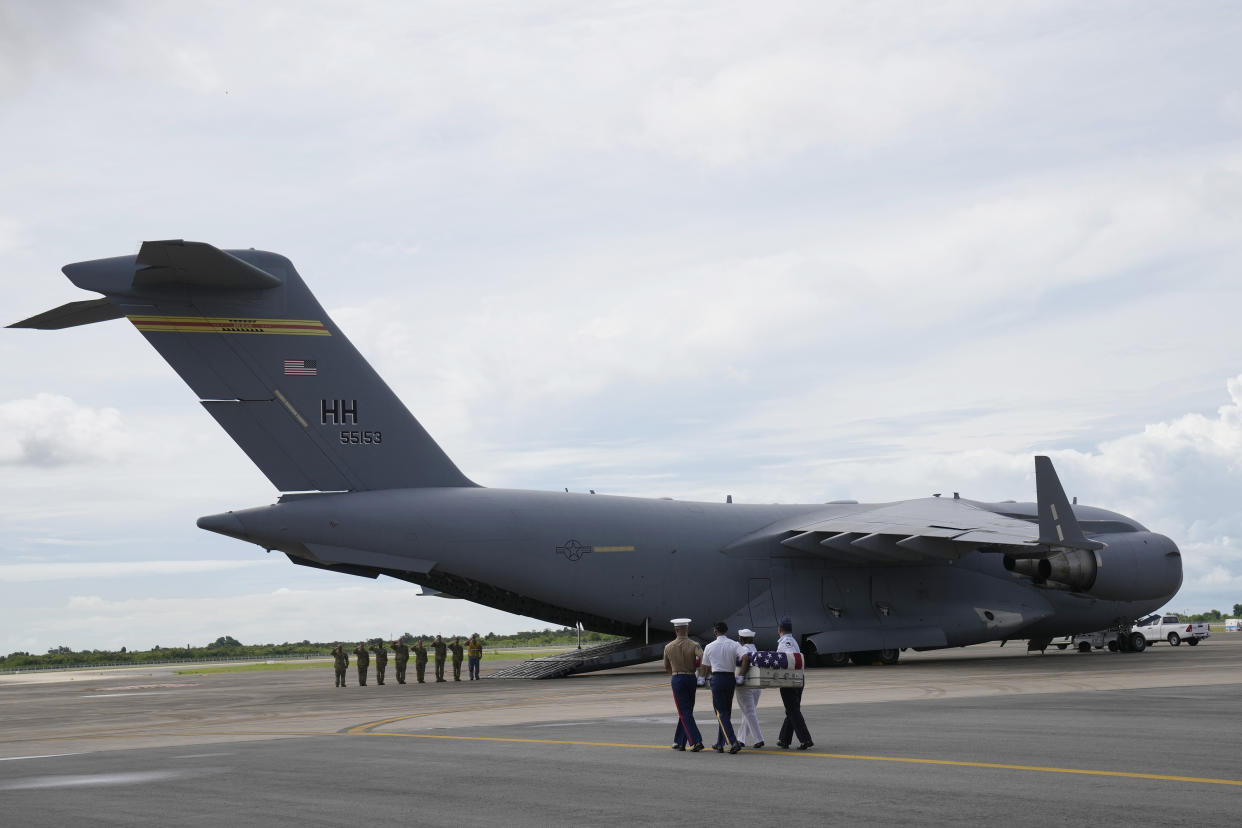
(1073, 569)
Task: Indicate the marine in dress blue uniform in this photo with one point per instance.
(719, 659)
(791, 697)
(681, 659)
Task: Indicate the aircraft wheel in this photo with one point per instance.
(1137, 642)
(835, 659)
(889, 656)
(1192, 641)
(1084, 646)
(864, 658)
(1175, 639)
(1113, 646)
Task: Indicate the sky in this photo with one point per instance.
(788, 252)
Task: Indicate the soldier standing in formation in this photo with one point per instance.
(420, 659)
(340, 663)
(791, 696)
(381, 660)
(474, 655)
(364, 660)
(456, 649)
(440, 650)
(403, 658)
(681, 659)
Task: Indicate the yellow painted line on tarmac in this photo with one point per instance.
(807, 754)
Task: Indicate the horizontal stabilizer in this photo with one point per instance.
(179, 262)
(71, 315)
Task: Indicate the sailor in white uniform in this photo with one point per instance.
(748, 732)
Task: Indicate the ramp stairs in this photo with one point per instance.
(587, 660)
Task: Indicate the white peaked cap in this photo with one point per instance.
(680, 622)
(745, 633)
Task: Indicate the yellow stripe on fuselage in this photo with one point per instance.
(233, 325)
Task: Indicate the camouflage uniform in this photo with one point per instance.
(456, 649)
(340, 663)
(403, 658)
(381, 660)
(364, 660)
(420, 659)
(440, 650)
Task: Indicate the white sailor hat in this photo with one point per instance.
(745, 633)
(680, 622)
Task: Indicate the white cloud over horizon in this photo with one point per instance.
(792, 253)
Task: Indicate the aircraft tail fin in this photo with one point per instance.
(250, 339)
(1057, 524)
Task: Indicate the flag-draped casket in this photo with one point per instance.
(773, 669)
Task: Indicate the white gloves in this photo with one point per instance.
(741, 680)
(700, 681)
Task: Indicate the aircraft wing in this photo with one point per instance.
(911, 530)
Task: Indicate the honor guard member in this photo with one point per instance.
(420, 659)
(748, 698)
(682, 657)
(439, 649)
(791, 696)
(403, 658)
(340, 663)
(720, 657)
(364, 660)
(381, 660)
(456, 649)
(474, 655)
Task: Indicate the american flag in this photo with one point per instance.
(776, 661)
(301, 368)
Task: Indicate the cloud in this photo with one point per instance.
(52, 430)
(91, 570)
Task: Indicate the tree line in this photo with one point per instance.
(226, 646)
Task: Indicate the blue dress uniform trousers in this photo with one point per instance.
(791, 697)
(723, 685)
(684, 688)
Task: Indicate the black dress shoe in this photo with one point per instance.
(782, 745)
(757, 745)
(737, 746)
(718, 748)
(679, 747)
(806, 745)
(697, 747)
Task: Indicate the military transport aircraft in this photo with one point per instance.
(366, 491)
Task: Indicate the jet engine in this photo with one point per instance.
(1073, 569)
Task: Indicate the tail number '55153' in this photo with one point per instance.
(361, 438)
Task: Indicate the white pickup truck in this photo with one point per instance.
(1168, 627)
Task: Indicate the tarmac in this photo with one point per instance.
(978, 735)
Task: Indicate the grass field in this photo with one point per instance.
(326, 663)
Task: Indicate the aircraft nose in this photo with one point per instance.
(1137, 567)
(1172, 559)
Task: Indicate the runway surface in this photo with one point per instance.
(970, 736)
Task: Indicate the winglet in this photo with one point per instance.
(1057, 524)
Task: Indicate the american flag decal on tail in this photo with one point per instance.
(301, 368)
